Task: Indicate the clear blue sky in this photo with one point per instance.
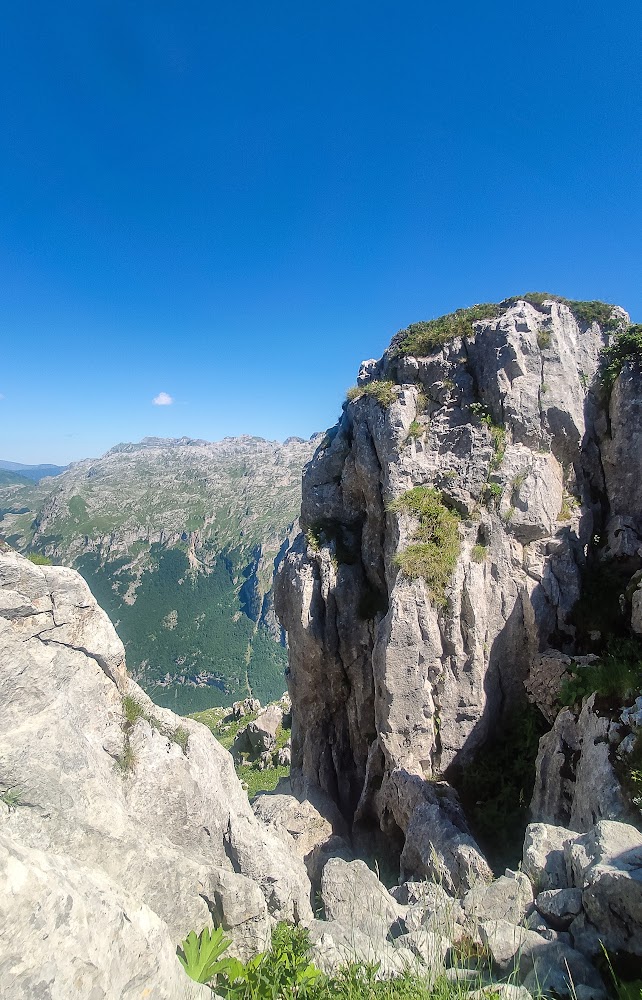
(235, 203)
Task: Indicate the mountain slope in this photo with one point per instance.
(178, 540)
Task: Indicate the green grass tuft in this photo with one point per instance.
(626, 349)
(383, 392)
(420, 339)
(479, 553)
(39, 560)
(132, 709)
(416, 430)
(180, 736)
(433, 556)
(616, 677)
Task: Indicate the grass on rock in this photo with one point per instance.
(383, 392)
(434, 553)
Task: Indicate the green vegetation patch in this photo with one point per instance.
(626, 349)
(383, 392)
(420, 339)
(39, 560)
(616, 677)
(434, 554)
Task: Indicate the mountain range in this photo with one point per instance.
(178, 539)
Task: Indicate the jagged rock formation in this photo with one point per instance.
(109, 803)
(179, 540)
(398, 677)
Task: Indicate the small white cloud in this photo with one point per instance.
(163, 399)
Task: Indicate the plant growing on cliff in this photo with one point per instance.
(11, 797)
(38, 560)
(434, 554)
(625, 349)
(381, 391)
(415, 430)
(421, 338)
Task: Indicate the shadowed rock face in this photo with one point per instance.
(145, 802)
(390, 690)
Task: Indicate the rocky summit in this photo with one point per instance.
(463, 607)
(179, 540)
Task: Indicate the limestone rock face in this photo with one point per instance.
(151, 803)
(67, 930)
(575, 783)
(391, 686)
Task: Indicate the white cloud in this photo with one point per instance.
(163, 399)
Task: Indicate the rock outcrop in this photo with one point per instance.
(398, 675)
(96, 778)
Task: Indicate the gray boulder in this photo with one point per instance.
(559, 907)
(543, 855)
(67, 930)
(606, 864)
(353, 895)
(261, 733)
(506, 898)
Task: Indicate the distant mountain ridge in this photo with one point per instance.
(35, 472)
(178, 539)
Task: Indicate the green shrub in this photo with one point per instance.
(434, 554)
(625, 349)
(419, 339)
(415, 430)
(543, 339)
(38, 559)
(132, 709)
(479, 553)
(491, 494)
(125, 762)
(180, 736)
(383, 392)
(616, 677)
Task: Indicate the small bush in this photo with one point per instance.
(491, 495)
(434, 554)
(415, 430)
(383, 392)
(625, 349)
(132, 709)
(543, 339)
(479, 553)
(180, 736)
(39, 560)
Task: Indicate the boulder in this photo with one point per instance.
(543, 855)
(238, 905)
(506, 898)
(559, 907)
(353, 895)
(606, 864)
(261, 734)
(68, 930)
(315, 837)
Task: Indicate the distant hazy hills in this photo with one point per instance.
(34, 472)
(178, 540)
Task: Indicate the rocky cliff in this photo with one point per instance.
(472, 520)
(122, 826)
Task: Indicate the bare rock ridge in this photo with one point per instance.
(110, 805)
(449, 522)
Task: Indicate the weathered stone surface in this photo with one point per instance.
(506, 898)
(237, 904)
(507, 943)
(314, 837)
(261, 733)
(543, 858)
(385, 680)
(160, 822)
(68, 930)
(606, 864)
(335, 944)
(559, 907)
(353, 895)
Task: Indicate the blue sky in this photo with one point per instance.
(234, 204)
